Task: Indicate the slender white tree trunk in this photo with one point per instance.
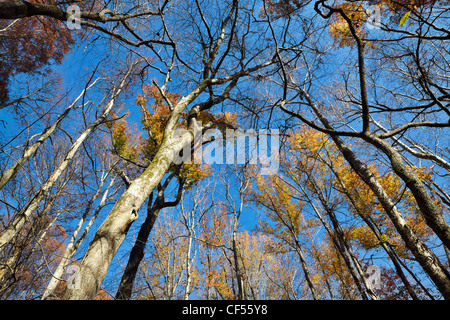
(73, 245)
(15, 226)
(189, 255)
(8, 265)
(11, 172)
(187, 290)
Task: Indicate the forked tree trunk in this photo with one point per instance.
(137, 252)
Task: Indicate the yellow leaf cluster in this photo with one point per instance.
(121, 137)
(340, 29)
(275, 196)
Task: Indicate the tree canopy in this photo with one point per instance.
(135, 134)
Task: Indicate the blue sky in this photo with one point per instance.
(75, 70)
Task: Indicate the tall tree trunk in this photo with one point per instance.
(305, 268)
(341, 248)
(425, 257)
(187, 290)
(240, 283)
(209, 270)
(344, 248)
(190, 225)
(377, 234)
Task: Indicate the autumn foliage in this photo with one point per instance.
(155, 112)
(357, 209)
(23, 271)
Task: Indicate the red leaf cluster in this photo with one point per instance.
(29, 44)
